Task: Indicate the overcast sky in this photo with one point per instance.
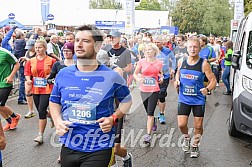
(28, 12)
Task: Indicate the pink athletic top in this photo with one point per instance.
(150, 71)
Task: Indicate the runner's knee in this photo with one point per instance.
(28, 94)
(162, 100)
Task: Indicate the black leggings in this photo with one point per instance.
(41, 102)
(72, 158)
(150, 102)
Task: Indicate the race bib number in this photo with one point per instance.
(39, 82)
(148, 81)
(190, 90)
(82, 113)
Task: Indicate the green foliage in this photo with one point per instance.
(247, 7)
(104, 4)
(148, 5)
(166, 5)
(203, 16)
(60, 34)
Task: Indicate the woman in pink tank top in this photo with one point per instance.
(149, 74)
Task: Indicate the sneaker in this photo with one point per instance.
(14, 121)
(154, 127)
(128, 162)
(162, 119)
(59, 160)
(217, 85)
(22, 102)
(195, 152)
(147, 139)
(39, 139)
(227, 93)
(6, 127)
(29, 115)
(158, 115)
(186, 144)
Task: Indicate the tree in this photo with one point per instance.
(203, 16)
(148, 5)
(168, 4)
(247, 7)
(104, 4)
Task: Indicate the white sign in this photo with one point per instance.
(239, 9)
(130, 17)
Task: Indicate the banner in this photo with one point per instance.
(45, 5)
(239, 9)
(130, 17)
(110, 24)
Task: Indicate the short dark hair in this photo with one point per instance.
(181, 36)
(19, 35)
(70, 34)
(1, 40)
(204, 39)
(96, 33)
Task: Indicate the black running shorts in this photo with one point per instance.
(72, 158)
(163, 88)
(184, 109)
(4, 94)
(118, 131)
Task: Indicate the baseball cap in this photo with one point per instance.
(69, 46)
(103, 57)
(225, 40)
(29, 44)
(115, 33)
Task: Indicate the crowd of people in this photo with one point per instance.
(81, 82)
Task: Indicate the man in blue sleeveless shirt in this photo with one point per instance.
(82, 104)
(190, 81)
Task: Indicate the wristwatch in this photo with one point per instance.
(115, 119)
(208, 91)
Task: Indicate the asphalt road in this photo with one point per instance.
(217, 148)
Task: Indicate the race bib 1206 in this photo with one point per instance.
(84, 113)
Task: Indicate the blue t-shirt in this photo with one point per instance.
(86, 97)
(191, 81)
(206, 53)
(165, 56)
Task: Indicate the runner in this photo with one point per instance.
(90, 90)
(190, 80)
(9, 67)
(165, 56)
(121, 57)
(68, 52)
(149, 74)
(37, 70)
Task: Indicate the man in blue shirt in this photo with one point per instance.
(164, 56)
(82, 104)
